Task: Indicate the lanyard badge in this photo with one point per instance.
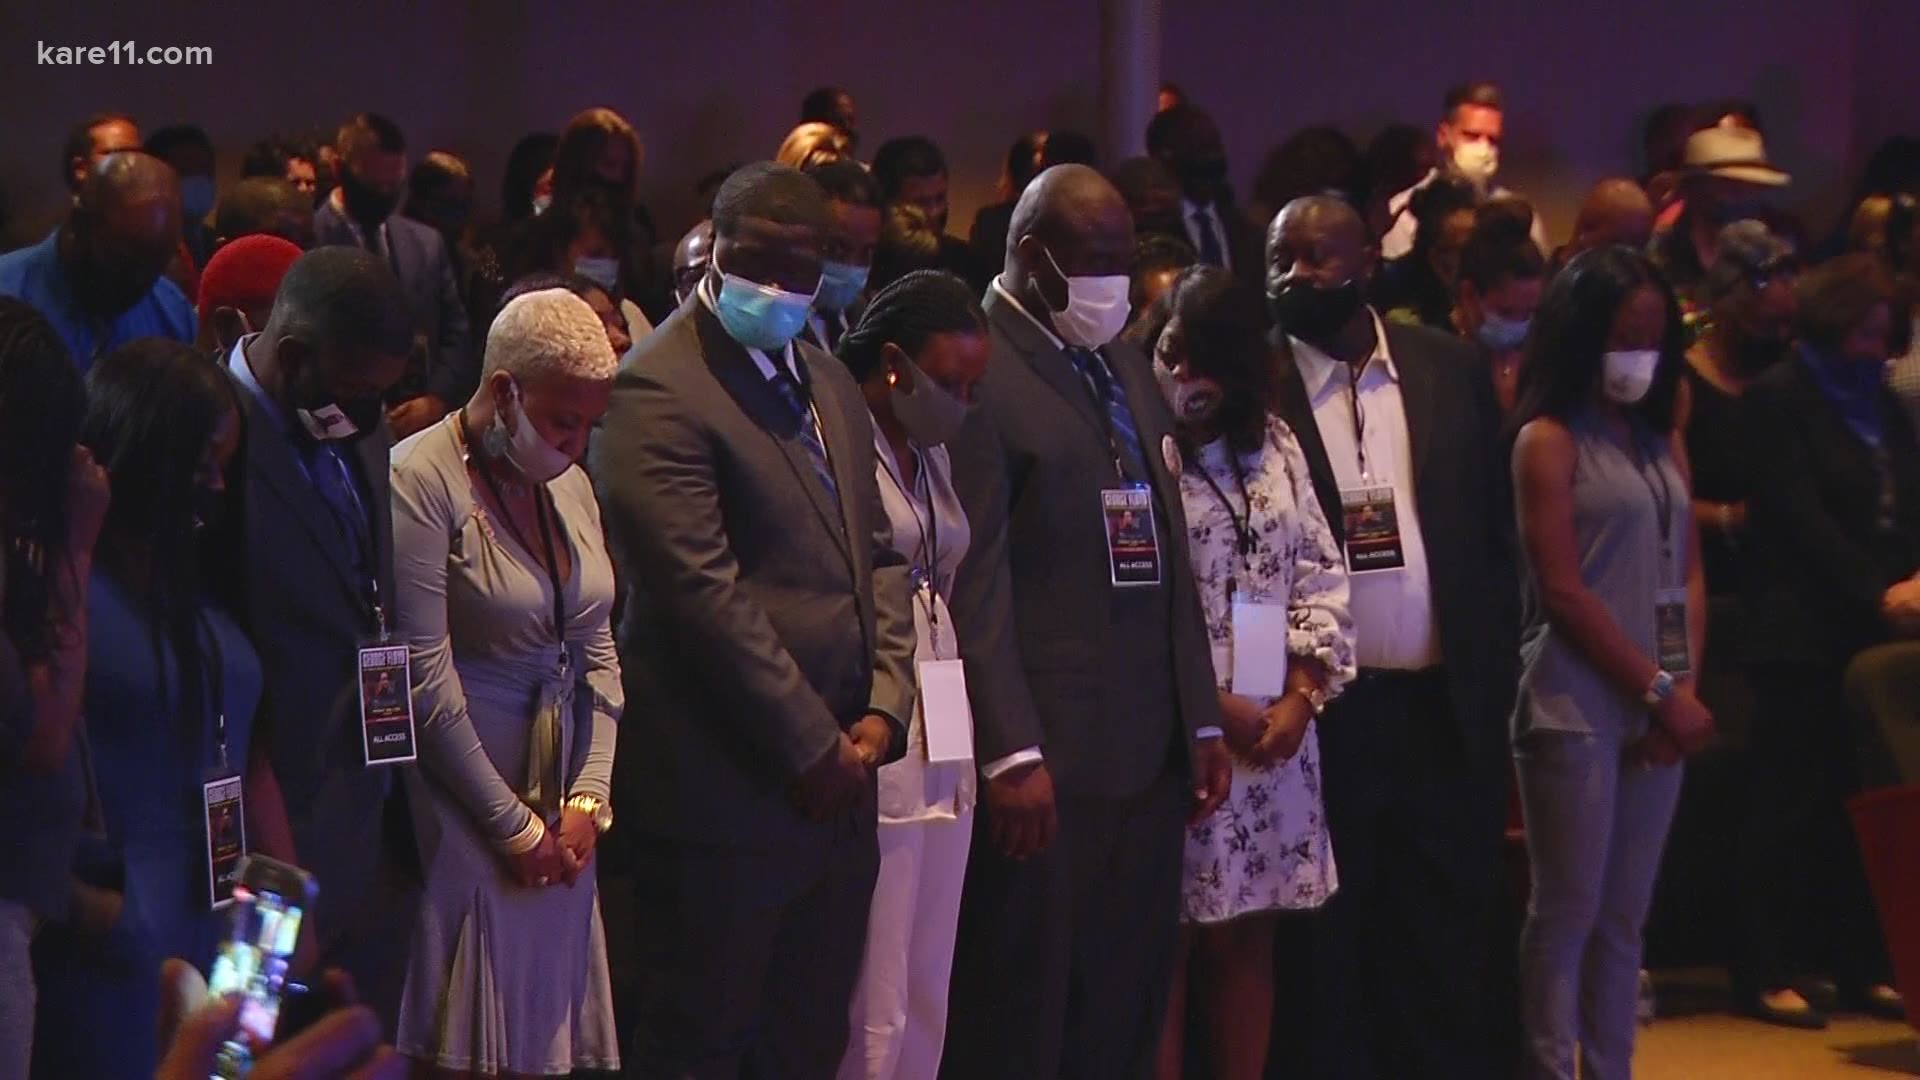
(1133, 544)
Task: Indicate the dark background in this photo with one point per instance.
(712, 81)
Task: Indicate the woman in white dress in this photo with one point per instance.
(1274, 588)
(504, 594)
(918, 349)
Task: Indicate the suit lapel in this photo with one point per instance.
(1416, 398)
(1046, 360)
(1297, 410)
(736, 371)
(270, 456)
(841, 442)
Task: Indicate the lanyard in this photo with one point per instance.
(363, 537)
(1243, 535)
(213, 668)
(927, 576)
(1359, 419)
(1662, 498)
(547, 518)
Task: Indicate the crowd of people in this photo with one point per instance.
(1048, 653)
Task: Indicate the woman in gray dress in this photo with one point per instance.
(504, 594)
(1607, 707)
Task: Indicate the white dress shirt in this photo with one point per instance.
(1399, 238)
(1188, 208)
(1032, 754)
(1392, 609)
(338, 200)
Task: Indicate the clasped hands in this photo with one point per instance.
(843, 776)
(562, 854)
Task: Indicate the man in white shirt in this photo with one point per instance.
(1400, 430)
(1472, 126)
(1096, 723)
(1187, 140)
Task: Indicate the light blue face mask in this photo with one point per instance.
(602, 270)
(196, 197)
(1503, 334)
(760, 316)
(840, 286)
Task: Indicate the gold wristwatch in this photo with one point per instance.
(600, 813)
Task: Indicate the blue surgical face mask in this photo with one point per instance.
(196, 197)
(840, 286)
(760, 316)
(602, 270)
(1502, 334)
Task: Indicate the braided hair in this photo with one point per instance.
(906, 313)
(41, 404)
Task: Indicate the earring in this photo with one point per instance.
(893, 378)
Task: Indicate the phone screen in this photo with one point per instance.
(253, 964)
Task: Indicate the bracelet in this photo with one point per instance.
(526, 839)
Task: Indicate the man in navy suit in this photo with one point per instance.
(442, 367)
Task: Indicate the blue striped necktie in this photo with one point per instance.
(1108, 394)
(796, 399)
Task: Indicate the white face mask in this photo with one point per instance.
(536, 458)
(1096, 308)
(602, 270)
(1627, 374)
(1477, 160)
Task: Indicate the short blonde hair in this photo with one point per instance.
(813, 144)
(550, 332)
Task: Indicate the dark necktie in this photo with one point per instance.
(1210, 253)
(1108, 395)
(328, 471)
(796, 399)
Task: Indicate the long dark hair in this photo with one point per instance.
(41, 401)
(153, 404)
(1561, 373)
(1223, 323)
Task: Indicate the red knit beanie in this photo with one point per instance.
(245, 273)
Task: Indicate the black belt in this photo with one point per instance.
(1398, 676)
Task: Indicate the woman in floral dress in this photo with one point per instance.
(1274, 587)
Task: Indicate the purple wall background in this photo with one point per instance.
(709, 81)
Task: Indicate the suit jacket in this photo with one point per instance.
(1819, 562)
(761, 617)
(1463, 495)
(288, 573)
(1034, 603)
(1246, 245)
(446, 363)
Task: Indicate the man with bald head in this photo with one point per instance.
(1616, 211)
(1399, 426)
(98, 278)
(307, 550)
(1095, 719)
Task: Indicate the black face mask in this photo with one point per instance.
(1313, 313)
(310, 394)
(366, 205)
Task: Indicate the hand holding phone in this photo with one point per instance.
(344, 1042)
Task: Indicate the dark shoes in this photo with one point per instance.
(1880, 1001)
(1786, 1008)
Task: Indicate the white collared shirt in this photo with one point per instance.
(1392, 609)
(1031, 754)
(1400, 235)
(1188, 208)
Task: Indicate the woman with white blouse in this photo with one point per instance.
(920, 346)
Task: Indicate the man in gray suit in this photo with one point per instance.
(1096, 722)
(443, 368)
(306, 554)
(767, 644)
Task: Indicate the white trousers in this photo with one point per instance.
(899, 1019)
